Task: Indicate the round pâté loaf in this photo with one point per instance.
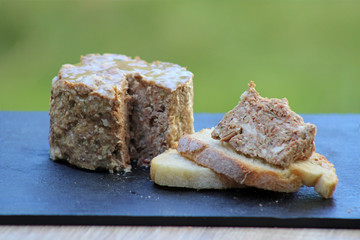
(111, 108)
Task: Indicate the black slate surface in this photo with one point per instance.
(35, 190)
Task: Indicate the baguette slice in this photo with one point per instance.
(221, 158)
(171, 169)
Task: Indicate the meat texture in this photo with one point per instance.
(111, 108)
(267, 129)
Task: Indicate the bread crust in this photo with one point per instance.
(317, 172)
(221, 158)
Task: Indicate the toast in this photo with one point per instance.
(173, 170)
(316, 171)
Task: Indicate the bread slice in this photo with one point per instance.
(317, 172)
(223, 159)
(171, 169)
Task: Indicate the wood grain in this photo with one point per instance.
(111, 232)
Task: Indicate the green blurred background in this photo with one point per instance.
(307, 51)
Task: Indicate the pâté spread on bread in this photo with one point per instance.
(260, 143)
(111, 108)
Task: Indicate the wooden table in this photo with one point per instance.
(191, 232)
(115, 232)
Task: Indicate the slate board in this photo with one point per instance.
(35, 190)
